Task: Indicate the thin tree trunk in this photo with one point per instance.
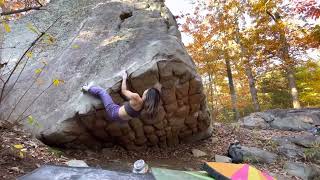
(288, 63)
(211, 92)
(232, 90)
(248, 71)
(293, 88)
(290, 73)
(253, 90)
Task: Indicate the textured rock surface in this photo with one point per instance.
(240, 154)
(299, 147)
(253, 154)
(93, 41)
(296, 120)
(306, 172)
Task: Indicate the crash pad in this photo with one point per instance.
(81, 173)
(230, 171)
(166, 174)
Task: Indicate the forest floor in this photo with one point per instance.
(17, 161)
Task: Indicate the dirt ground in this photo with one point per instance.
(16, 161)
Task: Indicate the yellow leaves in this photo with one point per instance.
(18, 146)
(1, 2)
(57, 82)
(38, 71)
(75, 46)
(49, 39)
(6, 26)
(32, 28)
(30, 120)
(29, 54)
(21, 154)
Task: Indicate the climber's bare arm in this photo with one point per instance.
(133, 97)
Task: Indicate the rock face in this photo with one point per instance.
(92, 41)
(295, 120)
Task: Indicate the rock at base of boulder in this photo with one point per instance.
(76, 163)
(224, 159)
(198, 153)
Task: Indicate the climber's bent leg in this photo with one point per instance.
(112, 109)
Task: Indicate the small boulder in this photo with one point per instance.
(307, 141)
(224, 159)
(76, 163)
(291, 150)
(198, 153)
(302, 170)
(240, 154)
(254, 154)
(255, 120)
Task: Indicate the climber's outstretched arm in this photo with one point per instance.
(130, 95)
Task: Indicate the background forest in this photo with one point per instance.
(256, 55)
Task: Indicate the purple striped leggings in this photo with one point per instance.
(112, 109)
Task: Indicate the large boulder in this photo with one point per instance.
(91, 41)
(284, 119)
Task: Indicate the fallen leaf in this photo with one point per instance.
(38, 71)
(75, 46)
(18, 146)
(29, 54)
(6, 26)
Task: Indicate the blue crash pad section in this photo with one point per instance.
(81, 173)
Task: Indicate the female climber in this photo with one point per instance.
(132, 108)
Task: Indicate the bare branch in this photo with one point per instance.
(32, 102)
(22, 57)
(15, 106)
(39, 3)
(272, 16)
(20, 11)
(19, 61)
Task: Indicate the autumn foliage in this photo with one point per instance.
(253, 54)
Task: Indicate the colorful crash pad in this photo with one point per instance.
(167, 174)
(229, 171)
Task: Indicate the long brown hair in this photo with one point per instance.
(151, 102)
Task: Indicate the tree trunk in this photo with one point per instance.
(232, 90)
(211, 94)
(253, 90)
(293, 88)
(248, 71)
(288, 63)
(290, 73)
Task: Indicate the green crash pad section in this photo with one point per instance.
(165, 174)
